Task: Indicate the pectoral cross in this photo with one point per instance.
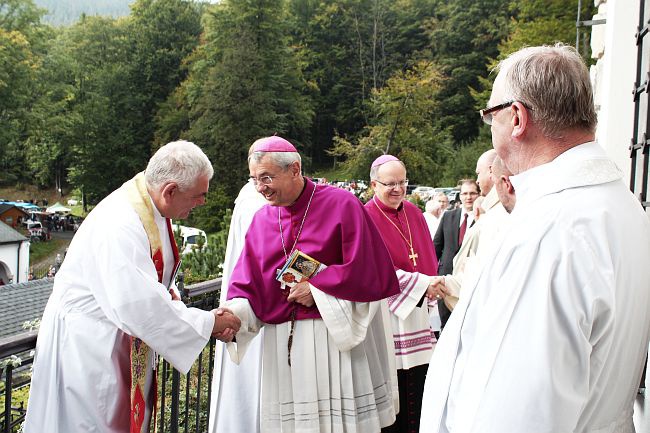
(413, 256)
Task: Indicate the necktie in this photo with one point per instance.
(463, 229)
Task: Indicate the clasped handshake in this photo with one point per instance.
(437, 289)
(226, 324)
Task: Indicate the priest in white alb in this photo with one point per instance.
(326, 365)
(235, 400)
(550, 335)
(114, 306)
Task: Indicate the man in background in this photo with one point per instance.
(433, 210)
(451, 231)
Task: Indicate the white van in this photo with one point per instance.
(191, 237)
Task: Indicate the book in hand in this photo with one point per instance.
(299, 267)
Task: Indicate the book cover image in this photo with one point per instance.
(300, 267)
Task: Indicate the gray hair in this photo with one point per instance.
(281, 159)
(553, 83)
(181, 162)
(375, 169)
(431, 206)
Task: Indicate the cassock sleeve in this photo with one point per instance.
(124, 283)
(346, 321)
(365, 272)
(412, 287)
(250, 327)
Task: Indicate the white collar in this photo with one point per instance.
(582, 165)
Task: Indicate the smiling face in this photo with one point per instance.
(285, 186)
(392, 172)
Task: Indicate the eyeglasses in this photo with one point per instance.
(466, 193)
(393, 185)
(264, 180)
(488, 113)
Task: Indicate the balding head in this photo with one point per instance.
(483, 166)
(501, 178)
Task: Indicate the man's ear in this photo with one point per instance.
(520, 119)
(295, 168)
(508, 184)
(168, 190)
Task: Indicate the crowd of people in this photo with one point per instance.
(522, 310)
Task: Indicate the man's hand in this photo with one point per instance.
(301, 293)
(226, 324)
(437, 289)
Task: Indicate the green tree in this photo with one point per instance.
(17, 65)
(244, 83)
(348, 48)
(105, 152)
(21, 37)
(206, 262)
(405, 127)
(162, 34)
(464, 36)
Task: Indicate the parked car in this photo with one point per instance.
(191, 238)
(424, 193)
(36, 232)
(453, 195)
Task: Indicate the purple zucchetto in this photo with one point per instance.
(273, 144)
(383, 160)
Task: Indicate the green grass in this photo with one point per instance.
(40, 250)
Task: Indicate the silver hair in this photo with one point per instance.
(375, 169)
(554, 83)
(281, 159)
(181, 162)
(431, 206)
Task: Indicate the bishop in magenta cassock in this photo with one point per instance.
(405, 233)
(326, 363)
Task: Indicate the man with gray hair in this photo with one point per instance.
(433, 210)
(115, 307)
(551, 333)
(312, 272)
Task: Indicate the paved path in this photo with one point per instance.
(49, 260)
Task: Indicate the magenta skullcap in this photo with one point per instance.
(383, 160)
(273, 144)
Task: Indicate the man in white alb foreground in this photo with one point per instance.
(114, 306)
(235, 401)
(552, 333)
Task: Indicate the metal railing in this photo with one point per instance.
(184, 403)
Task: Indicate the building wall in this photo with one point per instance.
(16, 258)
(614, 47)
(10, 217)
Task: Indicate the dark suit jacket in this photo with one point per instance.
(446, 243)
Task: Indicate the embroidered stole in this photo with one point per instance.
(138, 197)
